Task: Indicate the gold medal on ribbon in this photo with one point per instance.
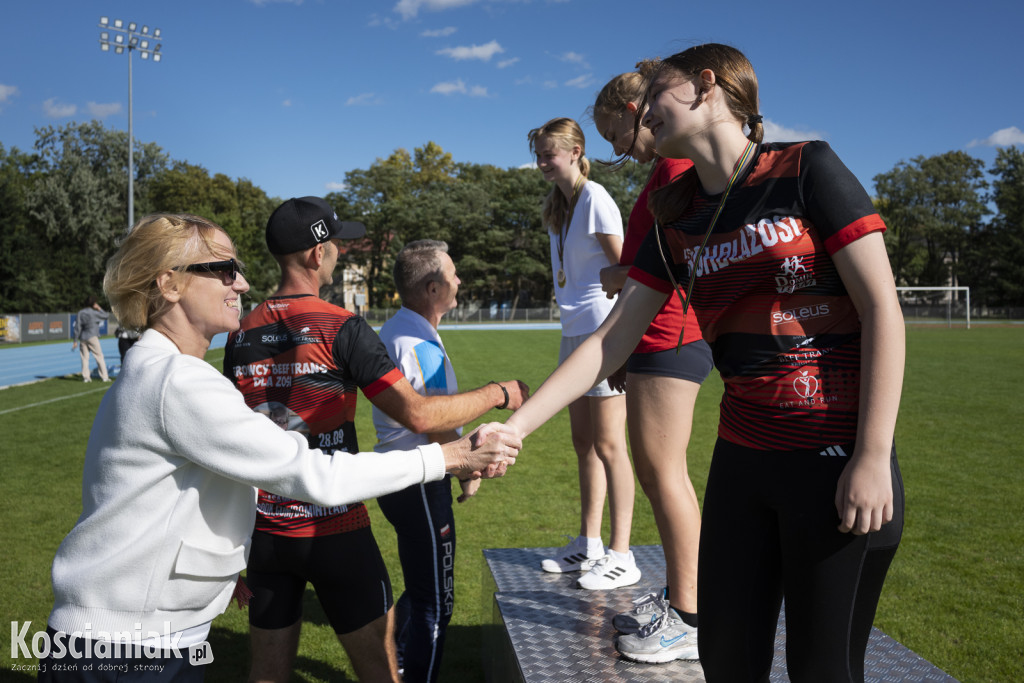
(561, 278)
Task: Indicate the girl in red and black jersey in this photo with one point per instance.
(783, 253)
(662, 380)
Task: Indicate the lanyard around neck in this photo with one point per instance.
(736, 172)
(564, 234)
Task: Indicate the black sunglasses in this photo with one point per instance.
(229, 267)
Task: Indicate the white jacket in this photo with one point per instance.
(169, 494)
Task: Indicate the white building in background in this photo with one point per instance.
(353, 283)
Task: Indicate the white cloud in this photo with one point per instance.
(387, 22)
(58, 111)
(773, 132)
(507, 62)
(550, 85)
(449, 88)
(102, 111)
(440, 33)
(459, 87)
(1005, 137)
(286, 103)
(581, 81)
(575, 58)
(7, 92)
(261, 3)
(481, 52)
(410, 8)
(363, 100)
(335, 186)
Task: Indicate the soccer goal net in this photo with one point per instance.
(936, 304)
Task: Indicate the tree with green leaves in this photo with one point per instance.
(78, 198)
(995, 271)
(1008, 195)
(25, 256)
(375, 196)
(239, 207)
(396, 198)
(930, 206)
(506, 256)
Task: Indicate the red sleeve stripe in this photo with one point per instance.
(645, 278)
(854, 231)
(781, 163)
(383, 383)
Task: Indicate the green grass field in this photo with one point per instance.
(955, 594)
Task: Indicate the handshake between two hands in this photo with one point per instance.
(485, 453)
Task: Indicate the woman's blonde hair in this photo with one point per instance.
(566, 134)
(618, 93)
(155, 244)
(735, 75)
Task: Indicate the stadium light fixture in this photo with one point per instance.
(128, 38)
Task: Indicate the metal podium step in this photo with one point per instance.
(545, 630)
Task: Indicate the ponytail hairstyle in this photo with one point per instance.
(611, 102)
(566, 134)
(735, 76)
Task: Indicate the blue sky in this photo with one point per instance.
(291, 94)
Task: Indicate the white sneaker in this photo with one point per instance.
(664, 639)
(646, 609)
(572, 557)
(611, 573)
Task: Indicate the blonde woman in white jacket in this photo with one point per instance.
(173, 462)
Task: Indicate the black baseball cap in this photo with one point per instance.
(301, 223)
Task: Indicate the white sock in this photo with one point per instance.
(595, 546)
(622, 558)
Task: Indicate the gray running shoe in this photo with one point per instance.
(646, 609)
(665, 639)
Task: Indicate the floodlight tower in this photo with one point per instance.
(123, 36)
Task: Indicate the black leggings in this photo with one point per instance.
(769, 529)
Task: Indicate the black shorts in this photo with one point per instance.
(346, 570)
(693, 362)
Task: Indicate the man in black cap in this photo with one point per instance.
(299, 359)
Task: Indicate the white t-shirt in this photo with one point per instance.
(416, 349)
(583, 303)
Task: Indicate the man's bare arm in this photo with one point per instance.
(421, 414)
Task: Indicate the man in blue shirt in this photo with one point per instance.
(422, 515)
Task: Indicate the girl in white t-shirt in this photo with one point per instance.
(585, 228)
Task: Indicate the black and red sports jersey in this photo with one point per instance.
(663, 333)
(784, 332)
(298, 360)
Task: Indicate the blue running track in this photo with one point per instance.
(23, 364)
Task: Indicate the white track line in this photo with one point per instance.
(52, 400)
